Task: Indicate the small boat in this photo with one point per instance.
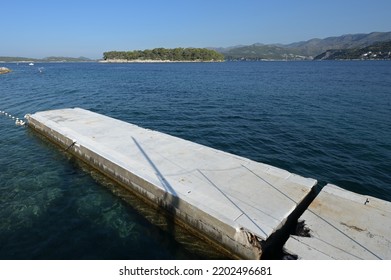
(31, 64)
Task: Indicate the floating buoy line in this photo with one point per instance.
(18, 121)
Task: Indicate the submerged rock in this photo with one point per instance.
(4, 70)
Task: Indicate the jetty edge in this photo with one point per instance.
(241, 206)
(342, 225)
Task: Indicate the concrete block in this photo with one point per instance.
(344, 225)
(236, 202)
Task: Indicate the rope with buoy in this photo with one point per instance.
(18, 121)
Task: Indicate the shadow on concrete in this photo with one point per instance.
(233, 203)
(169, 201)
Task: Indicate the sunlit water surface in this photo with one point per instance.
(325, 120)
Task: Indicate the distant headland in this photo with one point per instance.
(164, 55)
(19, 59)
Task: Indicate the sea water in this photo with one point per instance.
(326, 120)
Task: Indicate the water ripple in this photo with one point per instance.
(325, 120)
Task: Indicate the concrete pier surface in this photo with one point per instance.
(239, 204)
(344, 225)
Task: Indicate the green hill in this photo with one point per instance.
(303, 50)
(66, 59)
(162, 54)
(16, 59)
(263, 52)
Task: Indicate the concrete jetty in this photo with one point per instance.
(246, 208)
(344, 225)
(239, 204)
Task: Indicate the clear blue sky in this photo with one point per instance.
(40, 28)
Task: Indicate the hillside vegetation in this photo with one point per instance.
(381, 50)
(373, 45)
(162, 54)
(305, 50)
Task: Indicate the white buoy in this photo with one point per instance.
(19, 122)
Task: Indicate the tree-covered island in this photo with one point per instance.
(164, 55)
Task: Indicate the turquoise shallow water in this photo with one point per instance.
(325, 120)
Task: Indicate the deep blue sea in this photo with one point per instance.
(326, 120)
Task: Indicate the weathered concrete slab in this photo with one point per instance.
(234, 201)
(344, 225)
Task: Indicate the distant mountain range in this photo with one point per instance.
(305, 50)
(46, 59)
(375, 45)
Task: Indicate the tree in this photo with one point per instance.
(177, 54)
